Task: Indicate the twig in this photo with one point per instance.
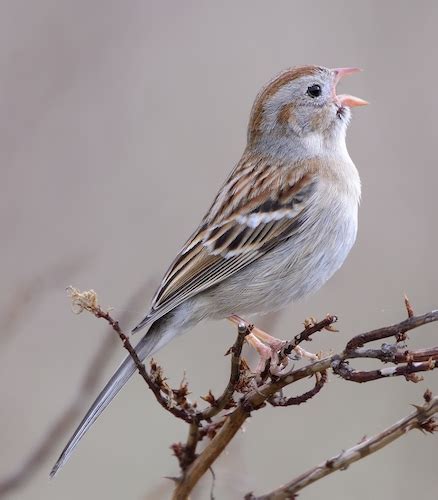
(395, 354)
(257, 398)
(190, 448)
(186, 454)
(321, 380)
(421, 418)
(203, 462)
(392, 331)
(267, 389)
(409, 308)
(253, 400)
(88, 301)
(343, 370)
(218, 405)
(308, 332)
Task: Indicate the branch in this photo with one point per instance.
(257, 397)
(421, 418)
(156, 383)
(310, 327)
(204, 461)
(224, 400)
(392, 331)
(186, 454)
(321, 380)
(408, 371)
(257, 392)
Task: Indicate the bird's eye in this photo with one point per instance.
(314, 90)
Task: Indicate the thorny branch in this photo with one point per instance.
(256, 392)
(256, 398)
(187, 454)
(311, 326)
(398, 331)
(245, 393)
(321, 379)
(421, 418)
(155, 381)
(217, 405)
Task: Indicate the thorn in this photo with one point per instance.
(419, 408)
(172, 478)
(409, 307)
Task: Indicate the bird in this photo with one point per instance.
(280, 226)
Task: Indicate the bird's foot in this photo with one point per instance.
(270, 349)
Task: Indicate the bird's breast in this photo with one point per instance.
(293, 269)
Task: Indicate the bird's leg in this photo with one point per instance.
(263, 351)
(302, 353)
(274, 344)
(277, 344)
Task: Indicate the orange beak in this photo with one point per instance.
(344, 99)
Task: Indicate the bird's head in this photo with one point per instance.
(301, 103)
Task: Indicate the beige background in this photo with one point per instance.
(118, 122)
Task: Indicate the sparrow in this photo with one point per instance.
(280, 226)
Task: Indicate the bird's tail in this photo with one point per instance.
(149, 344)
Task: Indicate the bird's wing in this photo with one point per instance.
(258, 207)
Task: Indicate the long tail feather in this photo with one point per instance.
(150, 343)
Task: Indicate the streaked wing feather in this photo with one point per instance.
(228, 240)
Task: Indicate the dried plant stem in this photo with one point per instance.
(267, 390)
(225, 398)
(420, 419)
(201, 465)
(309, 330)
(88, 301)
(392, 331)
(245, 394)
(256, 399)
(188, 454)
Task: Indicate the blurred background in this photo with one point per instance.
(119, 121)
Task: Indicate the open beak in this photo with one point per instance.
(344, 99)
